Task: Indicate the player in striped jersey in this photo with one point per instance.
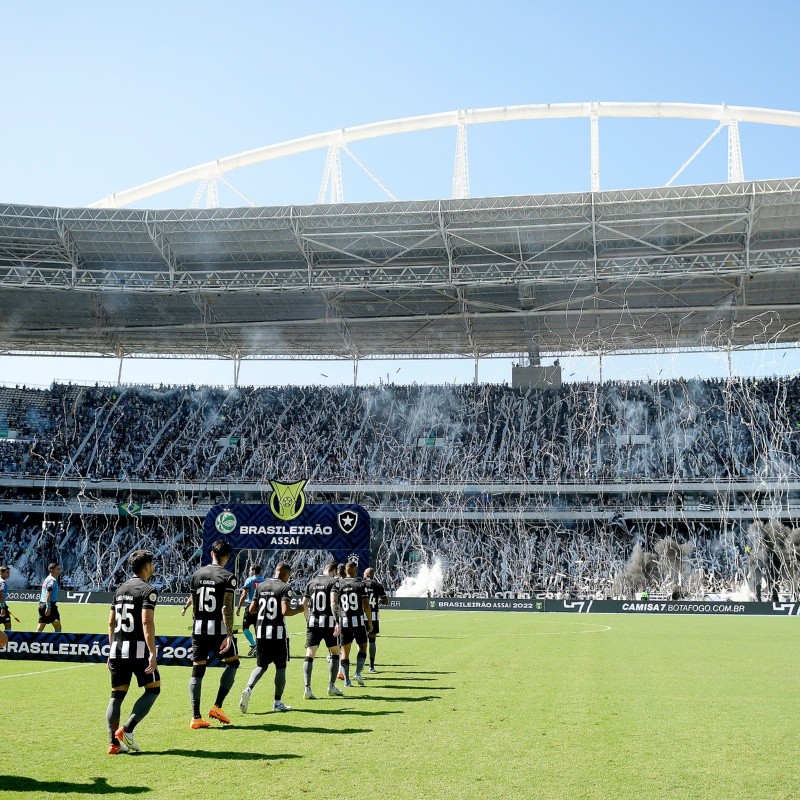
(322, 614)
(355, 621)
(376, 595)
(132, 636)
(271, 605)
(212, 589)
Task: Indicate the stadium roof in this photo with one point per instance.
(693, 266)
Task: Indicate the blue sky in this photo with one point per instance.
(103, 96)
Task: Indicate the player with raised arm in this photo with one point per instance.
(48, 600)
(271, 605)
(322, 614)
(132, 636)
(355, 622)
(212, 590)
(376, 595)
(246, 595)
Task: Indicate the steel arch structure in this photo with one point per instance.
(336, 140)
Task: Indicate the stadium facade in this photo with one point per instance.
(691, 267)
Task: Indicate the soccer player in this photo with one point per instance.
(355, 622)
(48, 600)
(132, 636)
(212, 590)
(5, 611)
(376, 595)
(271, 605)
(322, 613)
(246, 594)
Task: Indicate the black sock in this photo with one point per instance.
(308, 668)
(196, 688)
(334, 670)
(372, 648)
(226, 683)
(112, 714)
(280, 683)
(141, 708)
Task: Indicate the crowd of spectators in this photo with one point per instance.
(487, 557)
(678, 430)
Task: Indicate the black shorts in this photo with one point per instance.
(348, 634)
(53, 616)
(204, 645)
(5, 616)
(316, 635)
(376, 629)
(272, 651)
(123, 669)
(249, 619)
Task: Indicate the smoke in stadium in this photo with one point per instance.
(426, 582)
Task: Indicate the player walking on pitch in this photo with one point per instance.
(212, 589)
(271, 605)
(355, 622)
(322, 614)
(48, 600)
(376, 595)
(132, 636)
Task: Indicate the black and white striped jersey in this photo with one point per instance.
(352, 592)
(375, 592)
(320, 602)
(127, 639)
(209, 586)
(270, 623)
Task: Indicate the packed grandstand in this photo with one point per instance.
(681, 486)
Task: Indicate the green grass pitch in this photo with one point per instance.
(465, 705)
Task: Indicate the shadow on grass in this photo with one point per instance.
(18, 783)
(414, 672)
(306, 729)
(235, 755)
(399, 687)
(377, 676)
(343, 711)
(382, 698)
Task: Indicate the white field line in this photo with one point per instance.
(43, 671)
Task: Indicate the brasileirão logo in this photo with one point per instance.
(287, 500)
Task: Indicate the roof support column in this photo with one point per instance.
(461, 166)
(594, 128)
(735, 166)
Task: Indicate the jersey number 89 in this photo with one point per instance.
(349, 601)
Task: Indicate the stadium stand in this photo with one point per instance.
(533, 482)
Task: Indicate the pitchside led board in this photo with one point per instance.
(287, 523)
